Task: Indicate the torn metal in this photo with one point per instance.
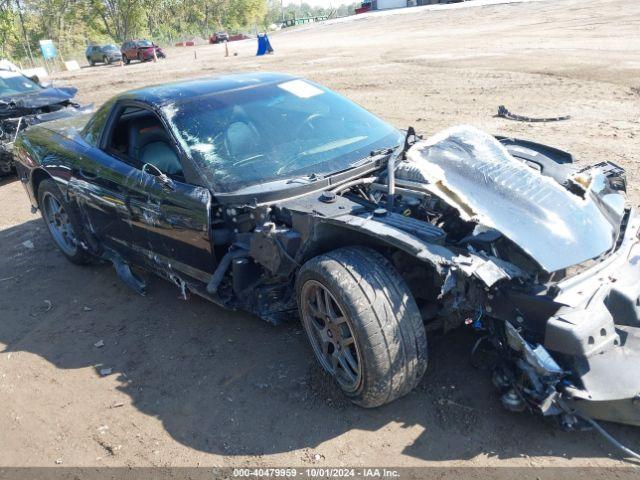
(18, 112)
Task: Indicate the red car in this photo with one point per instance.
(140, 50)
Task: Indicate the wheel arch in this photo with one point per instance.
(329, 234)
(401, 249)
(37, 177)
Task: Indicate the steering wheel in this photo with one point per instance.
(308, 122)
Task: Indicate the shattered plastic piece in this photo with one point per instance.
(105, 371)
(28, 244)
(99, 344)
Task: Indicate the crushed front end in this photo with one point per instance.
(22, 111)
(567, 330)
(574, 349)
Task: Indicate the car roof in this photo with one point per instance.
(186, 90)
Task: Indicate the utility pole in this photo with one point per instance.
(24, 32)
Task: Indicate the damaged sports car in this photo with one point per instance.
(272, 194)
(25, 102)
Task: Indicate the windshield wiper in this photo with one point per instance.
(373, 155)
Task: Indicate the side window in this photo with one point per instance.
(94, 126)
(138, 138)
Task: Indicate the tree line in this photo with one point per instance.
(73, 24)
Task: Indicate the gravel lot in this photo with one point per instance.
(193, 384)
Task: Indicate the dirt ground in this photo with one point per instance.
(194, 384)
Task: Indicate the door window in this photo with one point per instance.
(138, 138)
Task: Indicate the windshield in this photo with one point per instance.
(13, 83)
(144, 43)
(110, 48)
(276, 131)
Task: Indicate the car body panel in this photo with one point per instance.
(477, 174)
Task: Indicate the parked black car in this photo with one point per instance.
(24, 102)
(273, 194)
(103, 54)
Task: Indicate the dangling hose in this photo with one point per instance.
(608, 436)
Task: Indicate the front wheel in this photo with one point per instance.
(363, 324)
(62, 222)
(106, 60)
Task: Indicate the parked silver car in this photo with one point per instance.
(103, 54)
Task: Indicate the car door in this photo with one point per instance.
(172, 227)
(168, 215)
(98, 185)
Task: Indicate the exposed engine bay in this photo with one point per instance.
(473, 225)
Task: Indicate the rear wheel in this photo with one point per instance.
(62, 222)
(363, 324)
(91, 62)
(126, 60)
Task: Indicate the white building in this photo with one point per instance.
(387, 4)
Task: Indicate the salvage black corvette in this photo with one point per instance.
(272, 194)
(24, 102)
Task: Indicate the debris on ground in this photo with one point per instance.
(105, 371)
(27, 244)
(503, 112)
(99, 344)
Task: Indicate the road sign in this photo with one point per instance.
(48, 49)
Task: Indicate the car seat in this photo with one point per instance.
(150, 143)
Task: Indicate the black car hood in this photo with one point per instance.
(34, 100)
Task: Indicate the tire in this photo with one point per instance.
(69, 243)
(127, 61)
(385, 335)
(6, 167)
(106, 61)
(91, 62)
